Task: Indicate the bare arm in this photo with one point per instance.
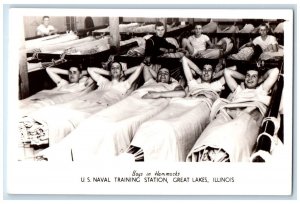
(210, 44)
(96, 73)
(249, 44)
(221, 72)
(146, 73)
(84, 73)
(177, 92)
(269, 78)
(130, 70)
(136, 74)
(187, 65)
(230, 78)
(53, 31)
(54, 74)
(273, 48)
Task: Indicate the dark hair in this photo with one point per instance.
(45, 17)
(265, 25)
(197, 24)
(253, 68)
(121, 67)
(158, 24)
(88, 22)
(163, 68)
(78, 68)
(212, 67)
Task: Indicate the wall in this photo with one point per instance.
(32, 22)
(139, 20)
(98, 21)
(59, 22)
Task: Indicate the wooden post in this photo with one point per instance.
(191, 21)
(114, 33)
(23, 70)
(164, 21)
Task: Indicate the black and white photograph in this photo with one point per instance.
(154, 102)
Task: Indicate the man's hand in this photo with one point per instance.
(147, 61)
(151, 95)
(164, 50)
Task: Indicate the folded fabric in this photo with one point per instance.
(170, 134)
(33, 132)
(211, 27)
(273, 55)
(30, 47)
(244, 54)
(235, 136)
(279, 28)
(230, 29)
(248, 28)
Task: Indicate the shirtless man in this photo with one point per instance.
(77, 79)
(205, 79)
(232, 133)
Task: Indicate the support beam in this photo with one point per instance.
(164, 21)
(191, 21)
(114, 33)
(23, 70)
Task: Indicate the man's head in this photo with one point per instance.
(263, 30)
(207, 73)
(46, 20)
(198, 30)
(74, 74)
(116, 70)
(251, 78)
(160, 29)
(163, 75)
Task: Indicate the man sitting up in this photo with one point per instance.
(157, 44)
(44, 28)
(267, 43)
(196, 43)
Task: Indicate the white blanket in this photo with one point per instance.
(31, 46)
(109, 132)
(59, 120)
(50, 97)
(170, 135)
(235, 135)
(273, 55)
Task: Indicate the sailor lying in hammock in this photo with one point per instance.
(109, 132)
(232, 133)
(51, 124)
(65, 90)
(171, 133)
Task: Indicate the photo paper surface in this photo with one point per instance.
(68, 138)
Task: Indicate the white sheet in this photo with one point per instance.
(36, 44)
(171, 134)
(64, 118)
(109, 132)
(236, 135)
(50, 97)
